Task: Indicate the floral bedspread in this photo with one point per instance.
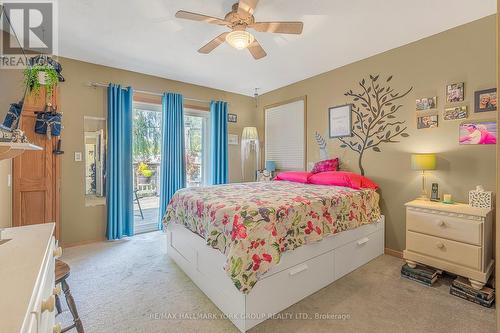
(252, 224)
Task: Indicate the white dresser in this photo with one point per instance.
(27, 260)
(455, 238)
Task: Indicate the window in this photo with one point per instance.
(287, 148)
(197, 141)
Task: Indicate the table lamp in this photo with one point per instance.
(270, 166)
(423, 162)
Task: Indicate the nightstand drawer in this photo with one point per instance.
(454, 228)
(451, 251)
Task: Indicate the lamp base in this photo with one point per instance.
(423, 197)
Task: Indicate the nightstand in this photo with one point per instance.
(455, 238)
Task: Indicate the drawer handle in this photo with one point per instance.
(363, 241)
(440, 245)
(57, 252)
(57, 328)
(442, 223)
(49, 304)
(298, 270)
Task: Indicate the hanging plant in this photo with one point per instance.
(37, 76)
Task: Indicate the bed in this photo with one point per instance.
(256, 248)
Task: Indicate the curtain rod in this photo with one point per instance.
(98, 84)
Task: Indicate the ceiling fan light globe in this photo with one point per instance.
(240, 39)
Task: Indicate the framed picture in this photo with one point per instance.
(232, 139)
(485, 100)
(340, 121)
(232, 118)
(426, 103)
(453, 113)
(478, 133)
(455, 92)
(427, 122)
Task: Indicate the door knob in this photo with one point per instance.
(49, 304)
(57, 291)
(57, 252)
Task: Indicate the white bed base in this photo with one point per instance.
(300, 273)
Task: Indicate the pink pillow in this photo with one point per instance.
(342, 178)
(326, 165)
(294, 176)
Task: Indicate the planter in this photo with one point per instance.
(143, 180)
(42, 78)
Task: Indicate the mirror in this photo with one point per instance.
(95, 161)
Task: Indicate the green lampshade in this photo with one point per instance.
(423, 161)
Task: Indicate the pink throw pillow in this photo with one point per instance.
(294, 176)
(342, 178)
(326, 165)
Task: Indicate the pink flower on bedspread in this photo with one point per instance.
(302, 200)
(239, 230)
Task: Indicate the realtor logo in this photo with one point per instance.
(28, 29)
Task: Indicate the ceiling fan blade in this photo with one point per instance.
(199, 17)
(256, 50)
(210, 46)
(246, 7)
(279, 27)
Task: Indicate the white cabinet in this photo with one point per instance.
(27, 270)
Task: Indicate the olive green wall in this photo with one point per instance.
(466, 53)
(78, 222)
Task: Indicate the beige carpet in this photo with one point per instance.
(125, 286)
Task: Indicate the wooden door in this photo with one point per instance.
(36, 174)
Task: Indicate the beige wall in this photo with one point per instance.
(80, 223)
(465, 53)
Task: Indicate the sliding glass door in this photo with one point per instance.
(146, 159)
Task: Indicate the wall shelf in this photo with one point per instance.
(10, 150)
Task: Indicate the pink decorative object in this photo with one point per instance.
(326, 165)
(342, 178)
(294, 176)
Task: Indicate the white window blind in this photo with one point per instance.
(285, 135)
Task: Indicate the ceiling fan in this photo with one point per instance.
(238, 20)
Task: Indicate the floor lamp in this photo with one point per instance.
(249, 143)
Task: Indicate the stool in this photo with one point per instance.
(62, 273)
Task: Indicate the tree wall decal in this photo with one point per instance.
(374, 117)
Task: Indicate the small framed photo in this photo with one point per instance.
(426, 103)
(485, 100)
(232, 139)
(455, 92)
(454, 113)
(427, 122)
(232, 118)
(478, 133)
(340, 120)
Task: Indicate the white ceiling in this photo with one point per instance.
(144, 36)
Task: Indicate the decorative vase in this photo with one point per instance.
(480, 198)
